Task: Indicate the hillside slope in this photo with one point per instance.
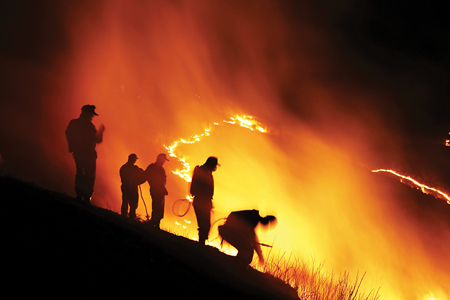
(56, 247)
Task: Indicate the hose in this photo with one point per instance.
(142, 197)
(179, 202)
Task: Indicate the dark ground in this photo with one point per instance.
(58, 248)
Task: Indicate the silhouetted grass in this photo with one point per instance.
(311, 283)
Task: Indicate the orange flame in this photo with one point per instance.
(247, 122)
(447, 142)
(244, 121)
(425, 189)
(184, 173)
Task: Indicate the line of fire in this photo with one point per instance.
(414, 183)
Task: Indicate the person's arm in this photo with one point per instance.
(193, 189)
(99, 134)
(140, 176)
(257, 247)
(69, 136)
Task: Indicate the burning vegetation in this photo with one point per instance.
(414, 183)
(161, 70)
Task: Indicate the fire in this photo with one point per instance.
(425, 189)
(247, 122)
(447, 142)
(185, 171)
(244, 121)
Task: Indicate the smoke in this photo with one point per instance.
(159, 71)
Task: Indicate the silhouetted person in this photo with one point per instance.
(156, 177)
(239, 231)
(131, 176)
(202, 188)
(82, 137)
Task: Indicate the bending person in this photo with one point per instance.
(239, 231)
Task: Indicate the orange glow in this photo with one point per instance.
(447, 142)
(244, 121)
(425, 189)
(162, 70)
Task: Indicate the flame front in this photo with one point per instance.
(185, 171)
(244, 121)
(424, 188)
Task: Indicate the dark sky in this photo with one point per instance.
(396, 46)
(411, 41)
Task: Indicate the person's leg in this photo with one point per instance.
(89, 176)
(239, 241)
(79, 176)
(125, 203)
(245, 253)
(157, 210)
(203, 214)
(133, 202)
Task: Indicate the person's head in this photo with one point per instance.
(132, 158)
(161, 159)
(88, 111)
(268, 222)
(212, 163)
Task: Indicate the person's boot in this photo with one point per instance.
(79, 198)
(86, 200)
(202, 239)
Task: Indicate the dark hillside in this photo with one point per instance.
(56, 247)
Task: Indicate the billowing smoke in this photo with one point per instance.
(159, 71)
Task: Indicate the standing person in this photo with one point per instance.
(82, 137)
(202, 188)
(156, 177)
(131, 176)
(239, 231)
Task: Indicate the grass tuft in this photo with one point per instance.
(310, 281)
